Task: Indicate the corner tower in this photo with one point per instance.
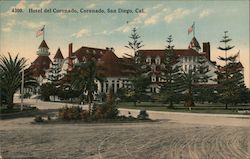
(43, 49)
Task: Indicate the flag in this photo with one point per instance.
(190, 29)
(40, 32)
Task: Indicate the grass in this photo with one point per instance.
(199, 108)
(16, 109)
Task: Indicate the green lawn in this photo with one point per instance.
(199, 108)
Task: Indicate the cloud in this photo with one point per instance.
(42, 4)
(81, 33)
(151, 16)
(32, 24)
(178, 13)
(105, 32)
(25, 24)
(45, 3)
(120, 1)
(91, 6)
(152, 20)
(8, 27)
(21, 4)
(205, 13)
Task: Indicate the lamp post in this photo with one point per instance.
(22, 85)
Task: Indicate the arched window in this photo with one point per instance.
(157, 60)
(148, 60)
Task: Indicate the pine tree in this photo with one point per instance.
(189, 79)
(139, 82)
(172, 88)
(53, 77)
(135, 44)
(230, 76)
(202, 93)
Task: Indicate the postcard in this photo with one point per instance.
(124, 79)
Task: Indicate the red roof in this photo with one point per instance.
(39, 66)
(88, 52)
(58, 54)
(109, 65)
(43, 44)
(161, 53)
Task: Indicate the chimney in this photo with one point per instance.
(70, 63)
(70, 49)
(206, 49)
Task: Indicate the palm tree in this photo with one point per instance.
(84, 78)
(10, 77)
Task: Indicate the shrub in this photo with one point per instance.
(38, 119)
(73, 113)
(105, 111)
(27, 95)
(143, 115)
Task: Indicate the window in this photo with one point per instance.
(117, 84)
(148, 60)
(185, 59)
(185, 67)
(153, 78)
(158, 60)
(190, 59)
(107, 86)
(159, 79)
(101, 87)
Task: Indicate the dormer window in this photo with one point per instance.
(148, 60)
(157, 60)
(153, 78)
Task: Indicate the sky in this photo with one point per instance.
(155, 23)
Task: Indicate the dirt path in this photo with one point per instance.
(176, 136)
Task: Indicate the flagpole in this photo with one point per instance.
(194, 30)
(43, 32)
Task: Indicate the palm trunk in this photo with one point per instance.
(89, 100)
(10, 98)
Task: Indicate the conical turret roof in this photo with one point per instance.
(194, 44)
(44, 45)
(58, 54)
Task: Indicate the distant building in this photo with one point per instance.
(116, 70)
(41, 64)
(187, 59)
(108, 65)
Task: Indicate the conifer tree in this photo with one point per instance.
(203, 93)
(189, 78)
(53, 77)
(138, 82)
(172, 87)
(230, 76)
